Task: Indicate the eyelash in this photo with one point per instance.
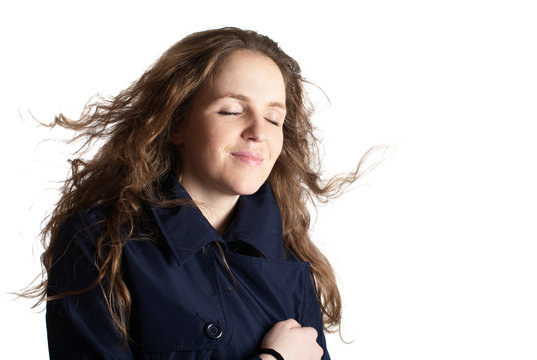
(273, 122)
(230, 113)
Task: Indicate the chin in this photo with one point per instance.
(247, 187)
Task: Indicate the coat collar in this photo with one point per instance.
(257, 222)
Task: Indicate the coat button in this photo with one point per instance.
(212, 331)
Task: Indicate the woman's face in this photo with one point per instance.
(233, 133)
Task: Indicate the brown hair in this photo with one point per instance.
(137, 155)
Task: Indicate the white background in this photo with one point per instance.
(435, 249)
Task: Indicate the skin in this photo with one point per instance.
(232, 137)
(292, 341)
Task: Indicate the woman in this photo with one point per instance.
(186, 235)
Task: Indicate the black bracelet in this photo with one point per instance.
(271, 352)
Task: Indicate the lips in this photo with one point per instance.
(248, 157)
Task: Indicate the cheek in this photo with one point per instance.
(217, 139)
(204, 135)
(276, 147)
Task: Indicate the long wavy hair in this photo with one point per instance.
(136, 155)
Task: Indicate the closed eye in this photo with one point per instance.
(228, 113)
(275, 122)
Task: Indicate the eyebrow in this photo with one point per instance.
(247, 99)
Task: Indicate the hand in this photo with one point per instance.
(292, 341)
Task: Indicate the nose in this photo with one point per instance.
(255, 128)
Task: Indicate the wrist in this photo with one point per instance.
(269, 354)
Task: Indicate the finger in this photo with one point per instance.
(291, 324)
(311, 332)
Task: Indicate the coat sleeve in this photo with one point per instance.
(312, 317)
(80, 326)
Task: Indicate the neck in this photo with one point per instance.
(215, 206)
(218, 213)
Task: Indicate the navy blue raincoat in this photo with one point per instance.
(185, 302)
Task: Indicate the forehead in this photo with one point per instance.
(249, 74)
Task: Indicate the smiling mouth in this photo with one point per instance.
(248, 157)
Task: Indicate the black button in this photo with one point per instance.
(212, 331)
